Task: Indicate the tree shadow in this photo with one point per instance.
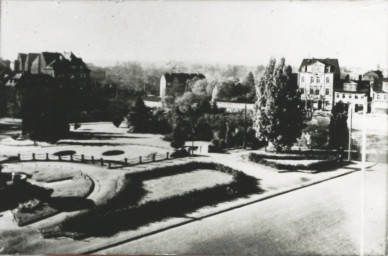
(99, 136)
(68, 204)
(22, 191)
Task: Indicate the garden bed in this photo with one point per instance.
(287, 162)
(134, 206)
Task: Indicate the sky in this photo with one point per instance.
(233, 32)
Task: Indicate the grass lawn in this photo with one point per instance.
(182, 183)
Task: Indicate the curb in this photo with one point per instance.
(253, 201)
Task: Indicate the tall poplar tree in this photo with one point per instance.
(278, 110)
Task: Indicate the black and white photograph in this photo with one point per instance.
(194, 127)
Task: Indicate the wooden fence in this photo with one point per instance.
(111, 164)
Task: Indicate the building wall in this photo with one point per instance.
(316, 84)
(357, 100)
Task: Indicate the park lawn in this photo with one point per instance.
(179, 184)
(78, 186)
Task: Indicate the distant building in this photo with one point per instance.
(373, 75)
(379, 92)
(353, 92)
(96, 73)
(60, 66)
(317, 79)
(175, 84)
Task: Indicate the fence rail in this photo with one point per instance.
(111, 164)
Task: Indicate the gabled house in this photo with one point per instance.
(62, 67)
(175, 84)
(317, 79)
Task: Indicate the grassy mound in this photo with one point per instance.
(128, 211)
(295, 162)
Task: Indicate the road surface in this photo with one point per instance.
(324, 219)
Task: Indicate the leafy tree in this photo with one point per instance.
(279, 116)
(338, 127)
(139, 116)
(248, 86)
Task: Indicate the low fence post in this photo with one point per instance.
(33, 156)
(139, 159)
(102, 161)
(153, 157)
(92, 158)
(19, 157)
(109, 164)
(71, 158)
(167, 155)
(47, 157)
(82, 158)
(59, 158)
(126, 160)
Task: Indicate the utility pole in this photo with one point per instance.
(245, 123)
(350, 111)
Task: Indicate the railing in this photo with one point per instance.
(111, 164)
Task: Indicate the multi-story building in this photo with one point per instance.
(62, 67)
(379, 92)
(317, 80)
(354, 93)
(175, 84)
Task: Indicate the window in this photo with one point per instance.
(317, 92)
(318, 79)
(378, 96)
(311, 91)
(349, 96)
(302, 90)
(327, 91)
(356, 97)
(312, 79)
(343, 95)
(337, 95)
(327, 79)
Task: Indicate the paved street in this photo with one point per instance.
(324, 219)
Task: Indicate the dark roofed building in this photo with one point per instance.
(379, 92)
(317, 80)
(353, 92)
(175, 84)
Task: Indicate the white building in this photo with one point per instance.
(354, 93)
(379, 93)
(317, 79)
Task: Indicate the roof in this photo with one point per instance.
(331, 62)
(22, 57)
(374, 73)
(182, 77)
(377, 87)
(50, 56)
(362, 85)
(364, 91)
(30, 58)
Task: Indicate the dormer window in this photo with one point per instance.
(327, 80)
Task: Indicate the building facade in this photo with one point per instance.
(379, 92)
(317, 80)
(354, 93)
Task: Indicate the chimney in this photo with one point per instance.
(359, 77)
